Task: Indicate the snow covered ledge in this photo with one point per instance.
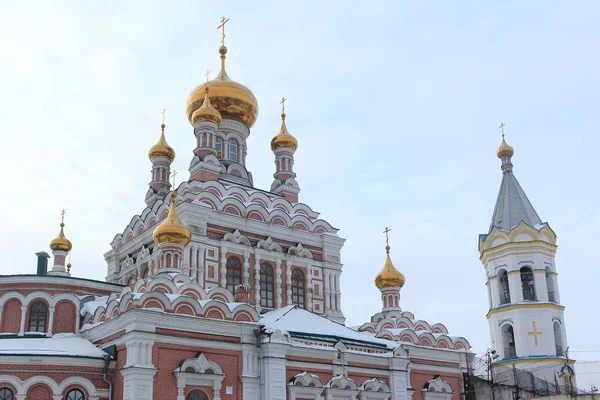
(305, 386)
(437, 389)
(199, 371)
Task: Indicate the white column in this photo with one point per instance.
(201, 266)
(288, 281)
(23, 315)
(223, 266)
(246, 267)
(194, 261)
(185, 266)
(336, 279)
(309, 288)
(50, 322)
(515, 287)
(278, 282)
(326, 290)
(257, 280)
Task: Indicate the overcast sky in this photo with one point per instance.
(395, 105)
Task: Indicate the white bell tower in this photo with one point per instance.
(526, 317)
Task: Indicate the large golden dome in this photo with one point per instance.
(389, 276)
(162, 148)
(284, 138)
(171, 230)
(233, 100)
(61, 243)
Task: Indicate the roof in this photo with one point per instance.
(62, 344)
(301, 323)
(512, 205)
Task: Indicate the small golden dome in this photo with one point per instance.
(171, 230)
(61, 243)
(206, 113)
(505, 150)
(162, 148)
(233, 100)
(389, 276)
(283, 138)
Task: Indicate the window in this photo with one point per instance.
(234, 273)
(508, 341)
(504, 288)
(6, 394)
(266, 286)
(558, 339)
(37, 317)
(550, 285)
(196, 395)
(75, 394)
(527, 284)
(219, 147)
(298, 288)
(233, 147)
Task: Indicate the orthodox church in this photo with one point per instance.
(221, 290)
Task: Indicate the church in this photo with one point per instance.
(222, 290)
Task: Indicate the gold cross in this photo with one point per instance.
(62, 216)
(164, 110)
(535, 334)
(173, 175)
(222, 27)
(206, 75)
(502, 127)
(387, 238)
(282, 102)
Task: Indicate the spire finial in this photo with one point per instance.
(62, 217)
(164, 110)
(502, 127)
(387, 239)
(222, 27)
(282, 102)
(173, 175)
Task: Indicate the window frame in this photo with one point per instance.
(233, 273)
(219, 147)
(37, 313)
(6, 393)
(235, 150)
(298, 287)
(75, 391)
(195, 393)
(267, 286)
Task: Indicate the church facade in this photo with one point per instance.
(221, 290)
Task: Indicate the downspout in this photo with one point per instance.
(104, 376)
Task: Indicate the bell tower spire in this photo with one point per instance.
(161, 155)
(284, 145)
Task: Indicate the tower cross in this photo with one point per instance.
(502, 127)
(282, 102)
(173, 175)
(387, 238)
(62, 216)
(164, 110)
(535, 334)
(206, 75)
(222, 27)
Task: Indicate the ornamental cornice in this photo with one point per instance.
(518, 248)
(525, 306)
(56, 361)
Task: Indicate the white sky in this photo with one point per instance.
(395, 106)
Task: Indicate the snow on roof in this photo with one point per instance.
(294, 319)
(62, 344)
(91, 306)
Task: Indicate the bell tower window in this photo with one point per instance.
(527, 284)
(504, 289)
(550, 285)
(508, 341)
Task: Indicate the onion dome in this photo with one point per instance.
(389, 276)
(61, 243)
(283, 138)
(233, 100)
(162, 148)
(207, 112)
(505, 150)
(171, 230)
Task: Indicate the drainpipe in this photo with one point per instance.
(104, 378)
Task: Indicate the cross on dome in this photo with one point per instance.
(387, 238)
(502, 125)
(222, 27)
(62, 216)
(164, 110)
(206, 75)
(173, 175)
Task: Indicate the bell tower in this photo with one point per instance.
(526, 317)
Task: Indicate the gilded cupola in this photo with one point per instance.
(389, 276)
(284, 138)
(61, 243)
(206, 113)
(162, 148)
(504, 150)
(232, 99)
(171, 230)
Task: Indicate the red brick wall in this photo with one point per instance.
(39, 392)
(11, 316)
(64, 317)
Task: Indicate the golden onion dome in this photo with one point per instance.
(61, 243)
(232, 99)
(206, 113)
(284, 138)
(162, 148)
(389, 276)
(505, 150)
(171, 230)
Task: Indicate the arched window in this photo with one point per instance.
(233, 147)
(38, 314)
(219, 147)
(75, 394)
(6, 394)
(558, 342)
(266, 286)
(196, 395)
(527, 284)
(504, 288)
(298, 288)
(508, 341)
(550, 285)
(234, 273)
